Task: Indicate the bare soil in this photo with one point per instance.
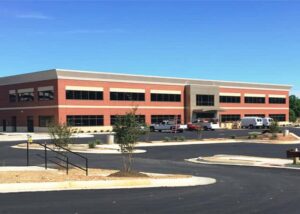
(128, 174)
(74, 175)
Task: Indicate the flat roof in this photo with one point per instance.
(118, 77)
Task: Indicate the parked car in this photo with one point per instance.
(267, 121)
(252, 122)
(206, 124)
(166, 126)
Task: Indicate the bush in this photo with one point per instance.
(167, 139)
(181, 138)
(274, 128)
(176, 138)
(98, 142)
(233, 136)
(274, 136)
(92, 145)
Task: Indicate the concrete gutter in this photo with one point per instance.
(122, 183)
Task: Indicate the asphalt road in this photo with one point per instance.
(238, 189)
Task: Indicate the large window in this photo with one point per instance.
(25, 96)
(230, 99)
(46, 95)
(205, 100)
(160, 118)
(84, 95)
(12, 97)
(131, 96)
(165, 97)
(278, 117)
(85, 120)
(230, 117)
(254, 115)
(114, 118)
(45, 121)
(277, 100)
(255, 100)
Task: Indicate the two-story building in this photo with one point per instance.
(92, 100)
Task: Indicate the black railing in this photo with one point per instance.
(61, 156)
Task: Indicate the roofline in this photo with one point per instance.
(146, 76)
(165, 77)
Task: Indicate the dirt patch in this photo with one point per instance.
(128, 174)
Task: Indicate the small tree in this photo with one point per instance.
(274, 127)
(128, 130)
(60, 134)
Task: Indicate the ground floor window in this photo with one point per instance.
(160, 118)
(45, 121)
(230, 117)
(85, 120)
(114, 118)
(255, 115)
(278, 117)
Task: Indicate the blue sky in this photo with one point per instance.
(255, 41)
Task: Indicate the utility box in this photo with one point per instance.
(110, 139)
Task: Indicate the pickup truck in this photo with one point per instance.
(167, 126)
(210, 124)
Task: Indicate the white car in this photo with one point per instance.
(267, 121)
(252, 122)
(166, 126)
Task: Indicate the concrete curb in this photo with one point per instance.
(106, 184)
(89, 151)
(196, 160)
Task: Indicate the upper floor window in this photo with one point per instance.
(230, 117)
(46, 93)
(277, 100)
(205, 100)
(255, 100)
(12, 96)
(25, 95)
(230, 99)
(130, 96)
(157, 97)
(84, 95)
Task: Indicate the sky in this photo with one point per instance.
(249, 41)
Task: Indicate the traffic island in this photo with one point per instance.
(242, 160)
(32, 179)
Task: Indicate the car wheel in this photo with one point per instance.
(152, 129)
(251, 126)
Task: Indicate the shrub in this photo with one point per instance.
(95, 131)
(98, 142)
(167, 139)
(274, 128)
(233, 136)
(274, 136)
(92, 145)
(181, 138)
(176, 138)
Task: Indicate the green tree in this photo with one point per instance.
(128, 130)
(60, 134)
(293, 117)
(295, 105)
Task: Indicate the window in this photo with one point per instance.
(276, 100)
(205, 100)
(160, 118)
(84, 95)
(165, 97)
(230, 117)
(230, 99)
(12, 97)
(278, 117)
(25, 96)
(255, 100)
(127, 96)
(45, 121)
(114, 118)
(85, 120)
(254, 115)
(46, 95)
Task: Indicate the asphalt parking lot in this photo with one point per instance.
(238, 189)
